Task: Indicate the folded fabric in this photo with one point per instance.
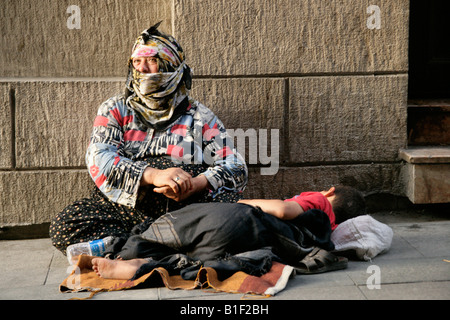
(363, 235)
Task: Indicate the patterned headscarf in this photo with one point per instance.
(156, 96)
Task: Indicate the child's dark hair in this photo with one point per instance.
(348, 203)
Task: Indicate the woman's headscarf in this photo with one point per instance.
(156, 96)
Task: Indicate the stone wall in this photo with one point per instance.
(327, 79)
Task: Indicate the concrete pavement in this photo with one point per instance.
(416, 267)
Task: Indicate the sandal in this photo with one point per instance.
(319, 260)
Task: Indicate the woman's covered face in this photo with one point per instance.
(145, 64)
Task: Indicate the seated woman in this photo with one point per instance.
(153, 149)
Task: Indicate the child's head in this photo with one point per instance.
(347, 203)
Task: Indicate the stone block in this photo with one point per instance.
(347, 118)
(33, 197)
(54, 120)
(5, 126)
(253, 110)
(37, 40)
(426, 175)
(292, 37)
(243, 103)
(427, 183)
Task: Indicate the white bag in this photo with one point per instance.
(363, 234)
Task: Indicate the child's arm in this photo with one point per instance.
(285, 210)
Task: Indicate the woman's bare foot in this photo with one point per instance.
(116, 269)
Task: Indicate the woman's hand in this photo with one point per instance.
(176, 179)
(198, 184)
